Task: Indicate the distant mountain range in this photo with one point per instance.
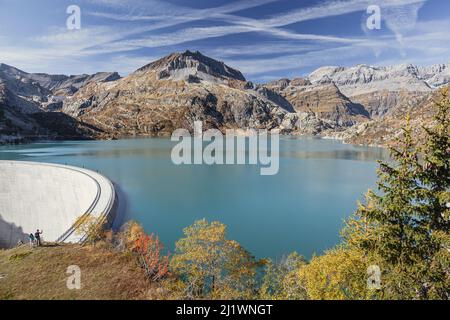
(360, 104)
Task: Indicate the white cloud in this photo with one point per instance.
(333, 8)
(270, 25)
(164, 15)
(262, 48)
(262, 66)
(430, 41)
(137, 21)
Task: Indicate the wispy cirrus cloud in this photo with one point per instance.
(431, 44)
(258, 41)
(332, 9)
(164, 15)
(281, 47)
(271, 25)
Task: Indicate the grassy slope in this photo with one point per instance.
(40, 273)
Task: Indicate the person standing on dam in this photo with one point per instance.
(31, 237)
(37, 235)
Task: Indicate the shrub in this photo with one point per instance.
(149, 249)
(90, 228)
(126, 239)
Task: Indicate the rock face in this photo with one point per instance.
(383, 131)
(381, 89)
(362, 104)
(362, 79)
(172, 93)
(323, 101)
(388, 94)
(32, 92)
(381, 103)
(28, 103)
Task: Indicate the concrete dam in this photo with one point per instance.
(50, 197)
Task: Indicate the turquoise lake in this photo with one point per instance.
(302, 208)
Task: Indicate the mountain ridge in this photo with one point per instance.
(391, 78)
(183, 87)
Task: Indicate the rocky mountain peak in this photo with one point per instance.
(10, 73)
(437, 75)
(363, 79)
(192, 66)
(4, 68)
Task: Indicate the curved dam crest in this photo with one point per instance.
(50, 197)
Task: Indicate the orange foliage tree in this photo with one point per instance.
(151, 259)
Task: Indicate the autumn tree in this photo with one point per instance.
(276, 276)
(212, 266)
(338, 274)
(149, 249)
(127, 238)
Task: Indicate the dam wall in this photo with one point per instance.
(50, 197)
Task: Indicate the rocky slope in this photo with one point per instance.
(325, 102)
(29, 105)
(18, 127)
(363, 78)
(383, 131)
(364, 104)
(381, 89)
(388, 94)
(172, 93)
(34, 92)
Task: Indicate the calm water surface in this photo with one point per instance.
(302, 208)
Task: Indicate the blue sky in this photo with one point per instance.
(265, 39)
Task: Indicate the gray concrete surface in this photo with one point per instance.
(49, 197)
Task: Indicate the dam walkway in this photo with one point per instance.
(50, 197)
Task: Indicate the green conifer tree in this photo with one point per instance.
(433, 203)
(405, 229)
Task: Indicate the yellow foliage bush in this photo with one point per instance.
(339, 274)
(90, 228)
